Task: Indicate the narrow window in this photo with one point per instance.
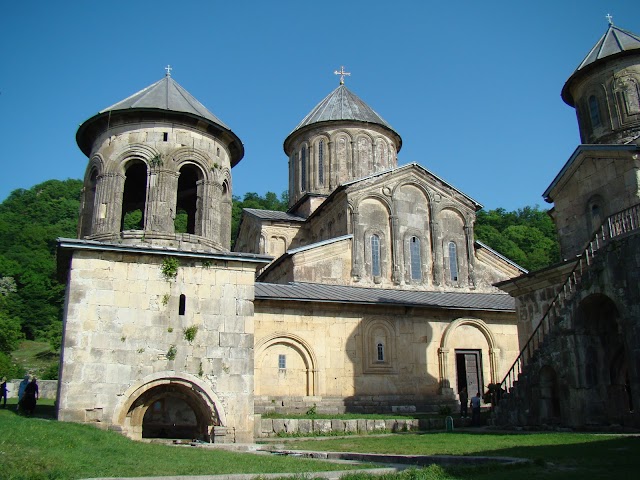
(594, 111)
(218, 152)
(134, 197)
(321, 162)
(165, 136)
(375, 255)
(381, 352)
(453, 262)
(414, 252)
(282, 361)
(183, 304)
(303, 169)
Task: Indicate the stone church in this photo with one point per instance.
(368, 295)
(579, 321)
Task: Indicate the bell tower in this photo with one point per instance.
(159, 171)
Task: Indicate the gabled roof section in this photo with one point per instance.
(273, 215)
(581, 152)
(500, 256)
(614, 42)
(166, 94)
(320, 293)
(409, 166)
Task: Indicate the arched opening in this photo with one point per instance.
(415, 260)
(602, 365)
(134, 197)
(89, 204)
(172, 410)
(187, 200)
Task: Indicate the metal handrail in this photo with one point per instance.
(619, 223)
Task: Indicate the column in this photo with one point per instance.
(161, 201)
(108, 203)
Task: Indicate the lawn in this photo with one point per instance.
(42, 448)
(554, 455)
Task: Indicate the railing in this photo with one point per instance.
(617, 224)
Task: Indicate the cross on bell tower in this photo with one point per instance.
(342, 74)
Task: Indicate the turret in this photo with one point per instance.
(159, 171)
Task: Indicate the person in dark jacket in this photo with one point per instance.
(30, 397)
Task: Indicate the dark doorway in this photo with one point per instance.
(187, 201)
(134, 197)
(469, 371)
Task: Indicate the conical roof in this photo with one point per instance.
(166, 97)
(342, 104)
(166, 94)
(615, 41)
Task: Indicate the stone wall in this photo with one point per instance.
(46, 388)
(126, 337)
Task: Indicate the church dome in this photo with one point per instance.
(343, 105)
(605, 89)
(166, 98)
(615, 43)
(342, 139)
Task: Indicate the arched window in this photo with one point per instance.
(134, 197)
(594, 111)
(183, 305)
(453, 262)
(303, 169)
(187, 200)
(380, 349)
(321, 162)
(375, 256)
(415, 263)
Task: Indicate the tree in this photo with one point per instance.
(252, 200)
(527, 236)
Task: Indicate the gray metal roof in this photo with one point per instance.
(315, 292)
(273, 215)
(615, 41)
(342, 104)
(166, 94)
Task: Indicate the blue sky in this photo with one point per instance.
(472, 87)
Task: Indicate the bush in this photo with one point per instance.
(10, 369)
(51, 373)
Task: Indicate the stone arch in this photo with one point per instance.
(184, 393)
(376, 333)
(134, 194)
(343, 156)
(364, 147)
(89, 189)
(297, 344)
(186, 155)
(445, 346)
(190, 199)
(453, 227)
(134, 151)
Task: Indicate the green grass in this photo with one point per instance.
(554, 455)
(35, 357)
(41, 448)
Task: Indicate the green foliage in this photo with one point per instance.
(51, 373)
(10, 368)
(10, 333)
(171, 353)
(190, 333)
(165, 299)
(132, 220)
(252, 200)
(169, 268)
(30, 222)
(313, 410)
(526, 236)
(180, 222)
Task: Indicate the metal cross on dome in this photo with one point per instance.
(168, 69)
(609, 18)
(342, 74)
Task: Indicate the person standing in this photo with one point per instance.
(21, 389)
(464, 402)
(30, 397)
(3, 392)
(475, 410)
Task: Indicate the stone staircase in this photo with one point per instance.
(511, 399)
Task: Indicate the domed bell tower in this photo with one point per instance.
(605, 89)
(159, 171)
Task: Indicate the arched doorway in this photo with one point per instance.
(602, 369)
(171, 408)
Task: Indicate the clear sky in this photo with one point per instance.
(472, 87)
